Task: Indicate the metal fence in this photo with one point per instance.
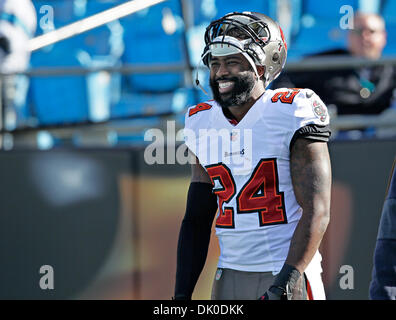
(26, 136)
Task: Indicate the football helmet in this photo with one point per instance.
(259, 38)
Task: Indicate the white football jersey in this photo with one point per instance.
(248, 164)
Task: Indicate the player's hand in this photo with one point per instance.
(275, 293)
(283, 284)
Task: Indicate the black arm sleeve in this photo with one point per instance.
(312, 132)
(194, 238)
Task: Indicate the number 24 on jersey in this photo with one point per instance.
(259, 195)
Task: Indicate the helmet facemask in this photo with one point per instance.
(245, 28)
(254, 35)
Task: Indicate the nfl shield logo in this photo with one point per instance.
(233, 135)
(218, 274)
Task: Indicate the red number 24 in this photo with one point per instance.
(260, 194)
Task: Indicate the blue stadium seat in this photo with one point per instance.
(137, 137)
(227, 6)
(100, 47)
(388, 11)
(96, 41)
(130, 139)
(202, 11)
(60, 99)
(323, 35)
(155, 36)
(140, 104)
(93, 7)
(326, 9)
(106, 40)
(63, 12)
(319, 27)
(68, 11)
(205, 11)
(390, 48)
(144, 104)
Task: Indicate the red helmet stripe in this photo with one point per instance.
(283, 37)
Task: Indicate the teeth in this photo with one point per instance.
(223, 85)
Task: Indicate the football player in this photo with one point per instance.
(271, 188)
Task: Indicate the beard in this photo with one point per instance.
(241, 93)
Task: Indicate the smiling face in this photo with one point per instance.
(232, 80)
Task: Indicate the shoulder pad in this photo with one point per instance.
(304, 103)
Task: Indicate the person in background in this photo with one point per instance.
(366, 90)
(383, 283)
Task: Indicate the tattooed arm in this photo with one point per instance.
(311, 177)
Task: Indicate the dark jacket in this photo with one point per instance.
(343, 88)
(383, 283)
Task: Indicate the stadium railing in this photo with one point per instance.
(22, 136)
